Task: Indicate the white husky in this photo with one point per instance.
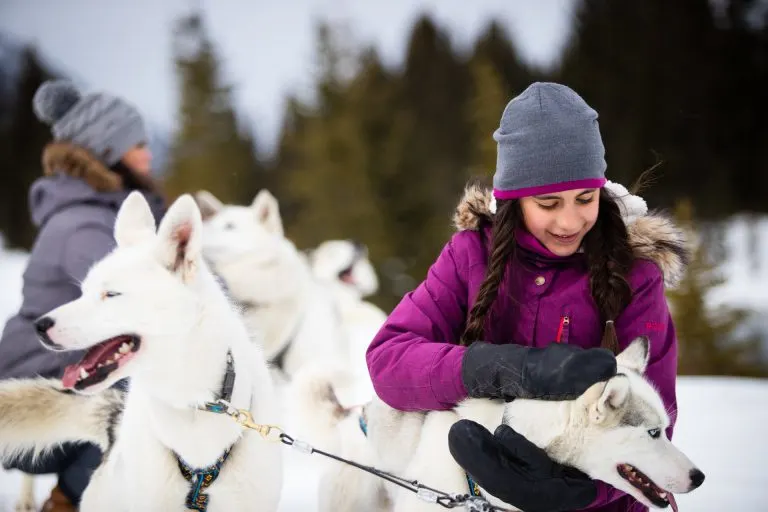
(344, 266)
(152, 311)
(614, 432)
(346, 263)
(298, 315)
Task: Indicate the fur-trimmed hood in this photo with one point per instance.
(70, 159)
(652, 236)
(74, 176)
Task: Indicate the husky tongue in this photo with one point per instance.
(672, 502)
(97, 354)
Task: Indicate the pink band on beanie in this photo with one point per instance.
(549, 189)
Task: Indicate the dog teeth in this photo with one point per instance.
(663, 495)
(117, 356)
(125, 348)
(83, 374)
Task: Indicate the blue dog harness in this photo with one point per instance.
(200, 479)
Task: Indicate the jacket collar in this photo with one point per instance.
(72, 160)
(652, 236)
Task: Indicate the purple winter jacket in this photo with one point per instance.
(415, 363)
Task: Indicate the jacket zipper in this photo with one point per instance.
(564, 323)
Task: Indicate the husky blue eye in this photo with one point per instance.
(654, 432)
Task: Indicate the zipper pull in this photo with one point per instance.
(564, 320)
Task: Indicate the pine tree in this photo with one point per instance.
(325, 175)
(433, 146)
(708, 337)
(495, 47)
(23, 145)
(210, 150)
(485, 108)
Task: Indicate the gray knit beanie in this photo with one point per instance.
(548, 141)
(105, 125)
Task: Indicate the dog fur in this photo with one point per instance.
(300, 317)
(343, 265)
(155, 287)
(610, 424)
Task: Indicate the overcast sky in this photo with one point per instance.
(125, 46)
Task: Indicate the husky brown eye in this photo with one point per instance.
(654, 432)
(109, 295)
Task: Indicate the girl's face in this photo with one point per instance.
(138, 159)
(560, 221)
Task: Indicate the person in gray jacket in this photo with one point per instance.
(98, 156)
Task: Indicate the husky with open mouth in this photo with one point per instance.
(614, 432)
(151, 310)
(346, 263)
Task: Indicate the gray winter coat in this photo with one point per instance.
(74, 208)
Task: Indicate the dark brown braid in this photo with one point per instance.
(609, 257)
(508, 216)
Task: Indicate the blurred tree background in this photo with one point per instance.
(381, 154)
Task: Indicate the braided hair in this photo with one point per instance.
(609, 258)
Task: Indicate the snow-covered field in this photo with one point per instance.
(721, 425)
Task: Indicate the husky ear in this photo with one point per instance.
(267, 212)
(635, 356)
(134, 223)
(208, 203)
(180, 238)
(614, 395)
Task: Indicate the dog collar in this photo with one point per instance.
(220, 405)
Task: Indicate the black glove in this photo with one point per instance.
(555, 372)
(517, 471)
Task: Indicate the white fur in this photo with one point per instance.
(264, 270)
(332, 257)
(362, 320)
(170, 300)
(26, 499)
(586, 433)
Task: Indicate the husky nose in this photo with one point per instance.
(697, 478)
(42, 325)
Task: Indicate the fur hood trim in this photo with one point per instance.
(653, 236)
(75, 161)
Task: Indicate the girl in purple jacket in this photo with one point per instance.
(549, 276)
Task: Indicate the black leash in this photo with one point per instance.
(426, 493)
(245, 419)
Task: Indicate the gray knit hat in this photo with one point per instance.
(105, 125)
(548, 141)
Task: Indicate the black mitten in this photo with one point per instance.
(555, 372)
(513, 469)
